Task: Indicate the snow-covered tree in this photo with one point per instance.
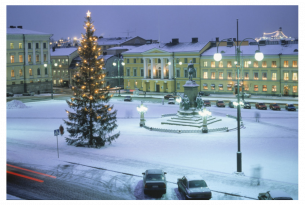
(93, 120)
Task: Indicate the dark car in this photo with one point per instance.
(290, 107)
(28, 94)
(170, 96)
(201, 93)
(206, 103)
(231, 104)
(260, 106)
(247, 105)
(274, 106)
(274, 195)
(127, 98)
(220, 103)
(154, 181)
(9, 94)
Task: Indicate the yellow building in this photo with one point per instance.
(27, 61)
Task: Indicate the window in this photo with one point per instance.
(21, 82)
(20, 45)
(205, 75)
(37, 58)
(220, 65)
(37, 45)
(229, 64)
(255, 64)
(205, 87)
(185, 60)
(273, 88)
(273, 76)
(294, 89)
(135, 84)
(246, 76)
(127, 72)
(220, 87)
(286, 65)
(212, 75)
(246, 87)
(142, 60)
(31, 81)
(134, 60)
(20, 73)
(177, 60)
(255, 87)
(229, 75)
(178, 73)
(246, 64)
(38, 71)
(12, 59)
(29, 46)
(194, 60)
(264, 88)
(220, 75)
(142, 72)
(104, 47)
(205, 64)
(134, 72)
(12, 45)
(44, 57)
(30, 72)
(213, 87)
(29, 58)
(286, 76)
(294, 76)
(256, 76)
(195, 72)
(12, 73)
(264, 77)
(264, 64)
(159, 60)
(127, 60)
(186, 73)
(44, 45)
(178, 86)
(294, 64)
(46, 71)
(273, 64)
(54, 82)
(13, 83)
(213, 64)
(20, 58)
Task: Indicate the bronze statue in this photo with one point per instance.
(191, 70)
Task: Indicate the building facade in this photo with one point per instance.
(27, 61)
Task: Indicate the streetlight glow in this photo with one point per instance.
(217, 56)
(114, 64)
(180, 63)
(259, 55)
(123, 63)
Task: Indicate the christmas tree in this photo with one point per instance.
(93, 120)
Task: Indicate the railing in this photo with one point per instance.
(184, 131)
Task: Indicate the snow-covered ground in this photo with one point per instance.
(272, 144)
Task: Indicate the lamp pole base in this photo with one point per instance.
(239, 162)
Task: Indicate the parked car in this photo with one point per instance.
(171, 101)
(202, 93)
(154, 181)
(206, 103)
(231, 104)
(290, 107)
(274, 106)
(9, 94)
(260, 106)
(170, 96)
(274, 195)
(194, 188)
(246, 95)
(128, 98)
(247, 105)
(220, 103)
(28, 94)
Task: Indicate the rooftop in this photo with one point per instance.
(113, 41)
(23, 31)
(62, 51)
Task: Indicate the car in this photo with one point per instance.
(154, 181)
(170, 96)
(274, 195)
(201, 93)
(246, 95)
(231, 104)
(194, 187)
(127, 98)
(206, 103)
(9, 94)
(220, 103)
(171, 101)
(247, 105)
(274, 106)
(28, 94)
(260, 106)
(290, 107)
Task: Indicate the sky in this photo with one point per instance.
(157, 22)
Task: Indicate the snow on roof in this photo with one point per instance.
(105, 57)
(154, 171)
(62, 51)
(122, 48)
(168, 47)
(193, 177)
(288, 49)
(23, 31)
(279, 194)
(113, 41)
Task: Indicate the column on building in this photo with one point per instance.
(170, 69)
(145, 67)
(41, 52)
(34, 54)
(48, 54)
(152, 68)
(162, 68)
(26, 55)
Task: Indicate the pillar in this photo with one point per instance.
(162, 68)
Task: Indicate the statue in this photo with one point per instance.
(191, 70)
(185, 102)
(199, 102)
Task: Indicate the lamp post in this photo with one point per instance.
(178, 100)
(142, 109)
(217, 57)
(46, 65)
(180, 63)
(114, 64)
(204, 113)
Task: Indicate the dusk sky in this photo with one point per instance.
(183, 22)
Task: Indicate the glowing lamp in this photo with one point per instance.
(180, 63)
(114, 64)
(217, 56)
(169, 63)
(142, 108)
(259, 55)
(249, 62)
(123, 63)
(204, 113)
(45, 65)
(178, 100)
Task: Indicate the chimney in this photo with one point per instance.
(234, 39)
(104, 53)
(217, 39)
(19, 27)
(53, 48)
(175, 40)
(12, 26)
(194, 40)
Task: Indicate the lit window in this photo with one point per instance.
(212, 75)
(255, 87)
(20, 58)
(264, 77)
(37, 58)
(44, 57)
(220, 64)
(205, 75)
(30, 72)
(294, 76)
(273, 88)
(273, 64)
(256, 76)
(220, 75)
(229, 75)
(213, 64)
(205, 64)
(205, 86)
(220, 87)
(128, 84)
(295, 89)
(229, 64)
(246, 76)
(273, 76)
(29, 58)
(54, 82)
(246, 64)
(246, 87)
(286, 65)
(12, 45)
(213, 87)
(264, 88)
(20, 45)
(20, 72)
(264, 64)
(294, 64)
(12, 73)
(12, 59)
(255, 64)
(286, 76)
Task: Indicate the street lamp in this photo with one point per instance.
(258, 56)
(142, 109)
(204, 113)
(178, 100)
(46, 65)
(114, 64)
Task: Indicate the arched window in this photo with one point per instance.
(20, 72)
(30, 72)
(12, 73)
(46, 71)
(38, 71)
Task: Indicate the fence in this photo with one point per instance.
(183, 131)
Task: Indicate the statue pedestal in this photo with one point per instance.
(191, 90)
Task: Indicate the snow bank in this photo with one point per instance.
(15, 104)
